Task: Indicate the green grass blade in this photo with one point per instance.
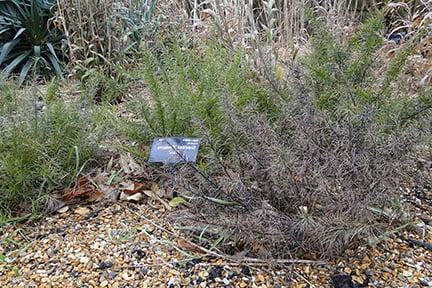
(51, 48)
(221, 201)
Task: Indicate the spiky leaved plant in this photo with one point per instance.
(30, 38)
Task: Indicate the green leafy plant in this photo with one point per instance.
(31, 40)
(183, 92)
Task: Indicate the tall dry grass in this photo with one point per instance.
(271, 20)
(104, 32)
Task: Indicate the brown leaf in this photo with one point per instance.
(95, 196)
(188, 246)
(135, 187)
(82, 188)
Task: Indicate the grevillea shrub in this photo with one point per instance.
(322, 165)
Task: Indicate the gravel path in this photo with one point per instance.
(117, 246)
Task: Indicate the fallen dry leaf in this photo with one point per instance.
(110, 193)
(82, 188)
(135, 197)
(158, 191)
(189, 246)
(83, 211)
(62, 210)
(131, 187)
(95, 196)
(156, 197)
(123, 196)
(130, 166)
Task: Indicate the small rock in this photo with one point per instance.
(112, 275)
(246, 271)
(126, 277)
(426, 219)
(105, 265)
(139, 253)
(215, 272)
(426, 282)
(104, 284)
(143, 271)
(342, 281)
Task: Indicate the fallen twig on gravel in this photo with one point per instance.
(423, 244)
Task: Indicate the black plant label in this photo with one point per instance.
(174, 150)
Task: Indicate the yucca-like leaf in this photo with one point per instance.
(25, 70)
(6, 49)
(56, 65)
(27, 36)
(12, 65)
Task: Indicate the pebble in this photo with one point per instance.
(426, 282)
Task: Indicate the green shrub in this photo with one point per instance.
(306, 171)
(42, 150)
(30, 42)
(186, 88)
(98, 87)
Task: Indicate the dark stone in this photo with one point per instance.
(215, 272)
(231, 275)
(143, 271)
(193, 262)
(198, 280)
(140, 254)
(105, 265)
(112, 275)
(74, 273)
(93, 214)
(246, 271)
(344, 281)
